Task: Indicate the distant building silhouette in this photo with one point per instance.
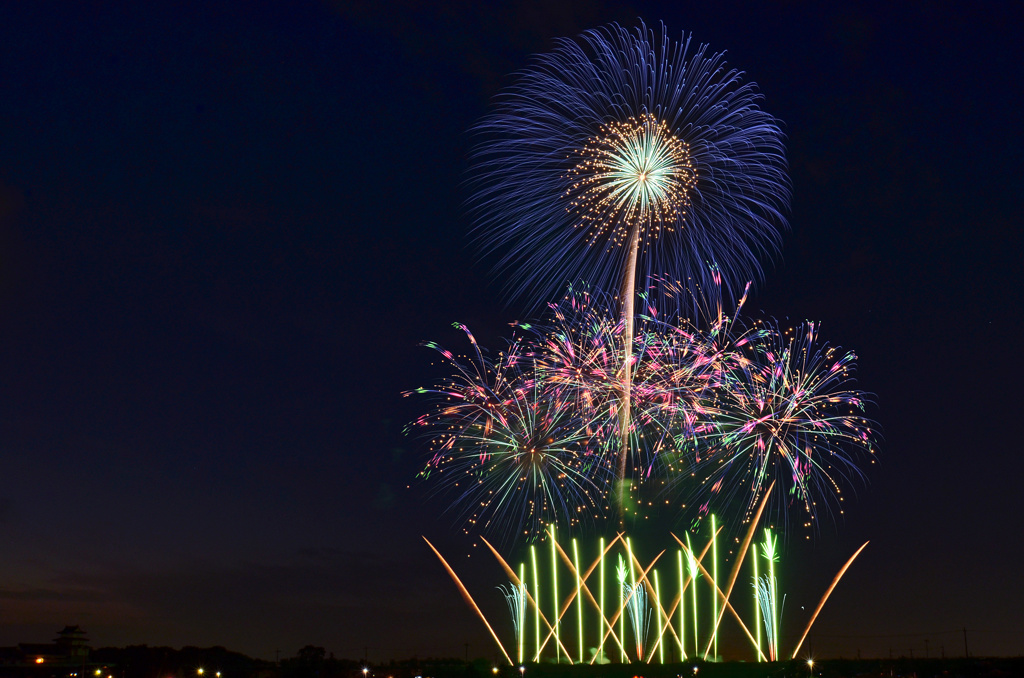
(66, 657)
(72, 643)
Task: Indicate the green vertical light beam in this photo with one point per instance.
(622, 614)
(714, 575)
(757, 606)
(772, 583)
(579, 598)
(693, 588)
(554, 593)
(600, 603)
(632, 582)
(682, 607)
(536, 601)
(522, 614)
(632, 571)
(657, 612)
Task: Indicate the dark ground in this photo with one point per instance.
(313, 662)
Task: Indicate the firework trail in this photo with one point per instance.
(634, 163)
(468, 598)
(680, 366)
(578, 352)
(515, 457)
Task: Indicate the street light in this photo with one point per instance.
(810, 667)
(365, 671)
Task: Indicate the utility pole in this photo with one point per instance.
(467, 652)
(926, 648)
(966, 653)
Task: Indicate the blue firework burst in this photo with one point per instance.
(620, 140)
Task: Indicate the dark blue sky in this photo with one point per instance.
(225, 227)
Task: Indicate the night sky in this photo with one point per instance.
(226, 227)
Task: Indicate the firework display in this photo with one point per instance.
(641, 176)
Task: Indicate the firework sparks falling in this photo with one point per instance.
(767, 595)
(634, 600)
(630, 163)
(766, 590)
(515, 597)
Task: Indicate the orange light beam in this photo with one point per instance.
(469, 599)
(825, 597)
(678, 600)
